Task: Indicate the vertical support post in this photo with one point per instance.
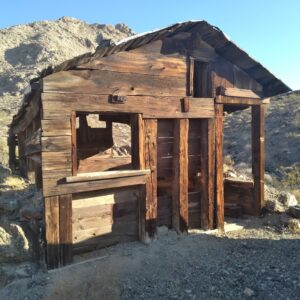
(74, 143)
(258, 161)
(137, 142)
(219, 191)
(51, 205)
(207, 156)
(138, 162)
(65, 229)
(190, 81)
(150, 154)
(180, 176)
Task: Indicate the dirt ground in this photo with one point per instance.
(259, 259)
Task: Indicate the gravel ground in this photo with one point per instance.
(259, 261)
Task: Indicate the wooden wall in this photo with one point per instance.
(104, 218)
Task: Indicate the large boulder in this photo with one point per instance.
(14, 246)
(294, 211)
(280, 202)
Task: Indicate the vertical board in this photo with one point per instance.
(138, 162)
(150, 129)
(137, 142)
(52, 231)
(65, 228)
(74, 143)
(207, 173)
(180, 175)
(219, 190)
(258, 161)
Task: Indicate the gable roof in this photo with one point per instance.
(210, 34)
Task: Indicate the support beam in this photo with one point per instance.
(65, 229)
(150, 154)
(207, 173)
(219, 191)
(74, 143)
(51, 205)
(137, 142)
(258, 161)
(180, 176)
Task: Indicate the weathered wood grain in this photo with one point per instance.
(51, 205)
(219, 190)
(108, 82)
(61, 127)
(180, 176)
(53, 187)
(150, 152)
(65, 229)
(140, 62)
(149, 106)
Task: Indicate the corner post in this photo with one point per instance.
(219, 194)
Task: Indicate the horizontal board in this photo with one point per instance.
(97, 163)
(56, 160)
(57, 106)
(56, 127)
(108, 197)
(140, 62)
(90, 211)
(56, 143)
(106, 175)
(107, 82)
(52, 187)
(130, 228)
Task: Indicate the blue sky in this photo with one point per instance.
(269, 30)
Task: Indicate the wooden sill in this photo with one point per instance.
(106, 175)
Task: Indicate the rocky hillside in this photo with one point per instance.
(26, 49)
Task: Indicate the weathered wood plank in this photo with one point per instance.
(219, 191)
(98, 163)
(139, 62)
(52, 187)
(137, 142)
(60, 127)
(239, 93)
(105, 175)
(56, 143)
(56, 161)
(65, 229)
(105, 197)
(240, 101)
(180, 177)
(149, 106)
(207, 157)
(107, 82)
(258, 159)
(190, 81)
(74, 143)
(52, 231)
(150, 152)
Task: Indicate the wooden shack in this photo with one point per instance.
(172, 86)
